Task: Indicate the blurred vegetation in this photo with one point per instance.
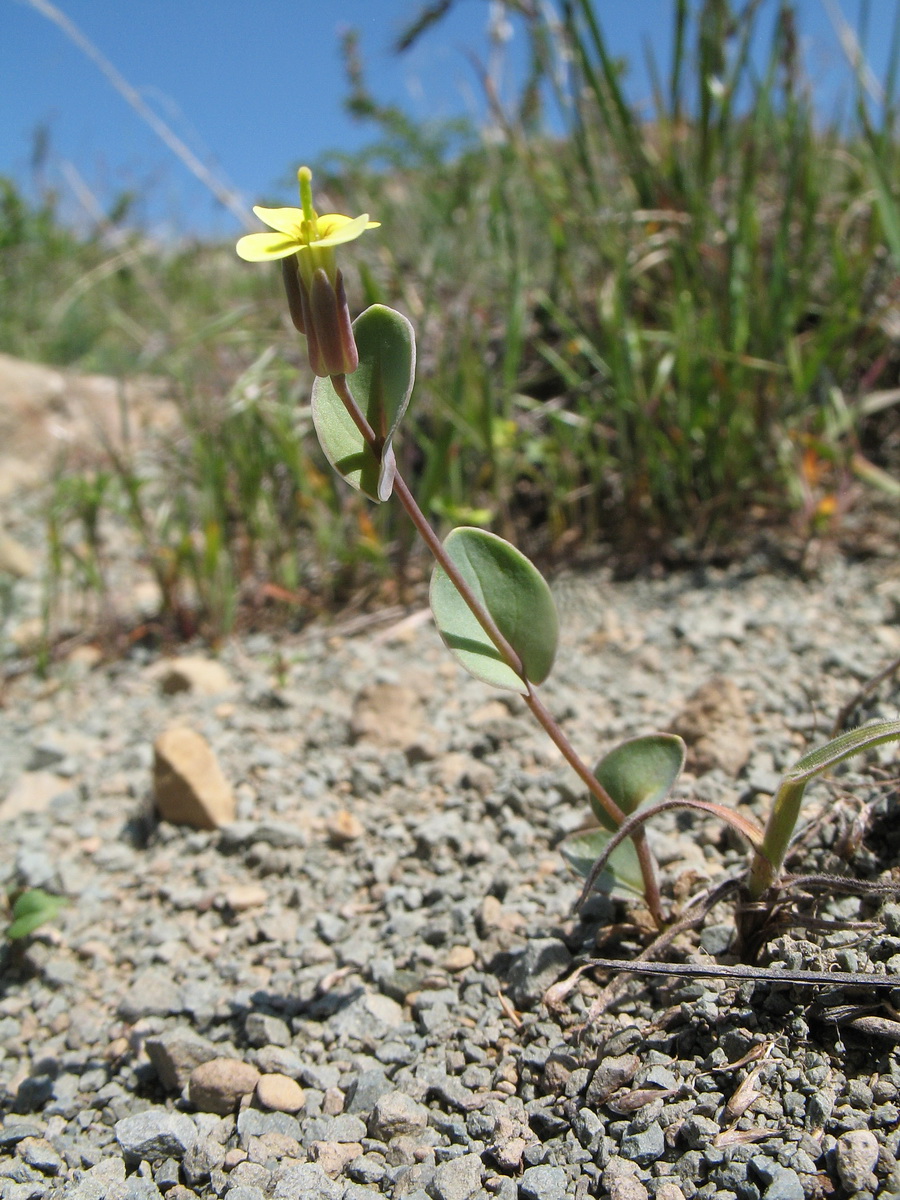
(651, 332)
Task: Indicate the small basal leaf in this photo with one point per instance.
(789, 796)
(381, 387)
(621, 874)
(32, 909)
(515, 595)
(639, 773)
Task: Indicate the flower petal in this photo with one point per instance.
(285, 220)
(333, 229)
(259, 247)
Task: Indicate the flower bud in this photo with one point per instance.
(320, 311)
(305, 243)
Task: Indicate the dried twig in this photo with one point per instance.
(843, 717)
(740, 971)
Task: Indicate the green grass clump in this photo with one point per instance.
(647, 330)
(661, 315)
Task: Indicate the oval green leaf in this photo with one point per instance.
(639, 773)
(516, 596)
(622, 874)
(381, 387)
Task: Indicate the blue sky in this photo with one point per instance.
(253, 88)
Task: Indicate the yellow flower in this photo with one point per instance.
(294, 233)
(303, 232)
(305, 243)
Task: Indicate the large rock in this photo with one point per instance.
(392, 716)
(856, 1157)
(192, 673)
(16, 559)
(33, 792)
(188, 785)
(155, 1134)
(45, 412)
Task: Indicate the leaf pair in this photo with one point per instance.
(637, 775)
(32, 909)
(502, 580)
(381, 387)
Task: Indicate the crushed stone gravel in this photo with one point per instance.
(367, 946)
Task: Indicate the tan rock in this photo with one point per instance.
(343, 827)
(390, 715)
(218, 1086)
(627, 1187)
(17, 476)
(242, 896)
(459, 958)
(621, 1181)
(332, 1157)
(451, 769)
(188, 784)
(192, 673)
(508, 1154)
(15, 559)
(274, 1145)
(27, 392)
(29, 635)
(86, 657)
(492, 710)
(33, 792)
(44, 412)
(716, 726)
(492, 915)
(669, 1191)
(144, 598)
(280, 1093)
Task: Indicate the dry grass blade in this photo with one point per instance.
(665, 939)
(744, 1137)
(741, 971)
(746, 1091)
(637, 1098)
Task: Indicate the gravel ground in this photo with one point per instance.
(340, 993)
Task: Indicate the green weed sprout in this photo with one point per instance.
(493, 609)
(33, 908)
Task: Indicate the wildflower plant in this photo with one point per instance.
(493, 610)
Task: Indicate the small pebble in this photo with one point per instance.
(280, 1093)
(543, 1183)
(856, 1156)
(459, 958)
(217, 1086)
(154, 1134)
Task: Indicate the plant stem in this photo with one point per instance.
(586, 775)
(535, 704)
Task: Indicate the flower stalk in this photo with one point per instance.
(317, 303)
(532, 699)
